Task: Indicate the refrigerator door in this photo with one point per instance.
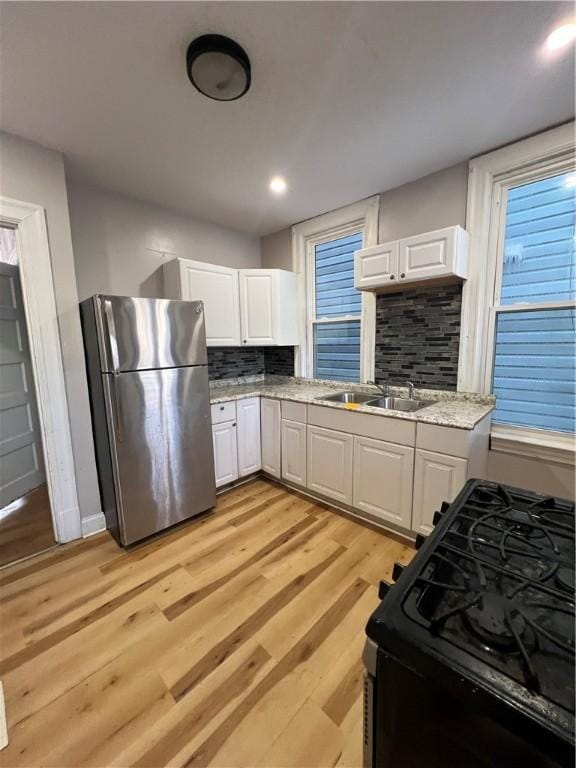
(141, 334)
(161, 445)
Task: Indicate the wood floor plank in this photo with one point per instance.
(231, 641)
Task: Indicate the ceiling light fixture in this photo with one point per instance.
(561, 37)
(278, 185)
(218, 67)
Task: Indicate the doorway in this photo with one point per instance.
(26, 526)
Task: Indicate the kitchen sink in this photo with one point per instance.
(398, 403)
(347, 397)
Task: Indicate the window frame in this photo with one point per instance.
(359, 217)
(491, 175)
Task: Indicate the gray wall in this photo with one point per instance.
(120, 244)
(277, 249)
(30, 173)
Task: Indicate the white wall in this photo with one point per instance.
(120, 243)
(32, 174)
(541, 476)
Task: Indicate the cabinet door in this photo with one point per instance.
(429, 255)
(294, 452)
(437, 478)
(329, 465)
(270, 431)
(225, 452)
(248, 434)
(217, 287)
(258, 306)
(383, 474)
(376, 266)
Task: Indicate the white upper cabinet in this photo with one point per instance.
(252, 307)
(430, 256)
(217, 287)
(268, 307)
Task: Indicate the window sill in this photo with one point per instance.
(556, 447)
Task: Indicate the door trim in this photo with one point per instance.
(47, 367)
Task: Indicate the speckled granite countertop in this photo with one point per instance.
(461, 410)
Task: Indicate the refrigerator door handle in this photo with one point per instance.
(109, 313)
(117, 408)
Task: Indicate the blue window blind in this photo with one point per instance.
(539, 263)
(334, 275)
(534, 370)
(337, 351)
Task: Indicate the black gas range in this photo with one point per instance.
(470, 655)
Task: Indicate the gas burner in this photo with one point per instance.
(495, 620)
(565, 580)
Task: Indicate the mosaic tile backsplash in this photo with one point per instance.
(236, 362)
(417, 336)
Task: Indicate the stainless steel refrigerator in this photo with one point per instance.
(148, 378)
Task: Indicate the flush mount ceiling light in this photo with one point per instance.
(278, 185)
(218, 67)
(561, 37)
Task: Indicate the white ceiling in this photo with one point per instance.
(347, 98)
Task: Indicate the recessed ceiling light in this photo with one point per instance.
(278, 185)
(561, 37)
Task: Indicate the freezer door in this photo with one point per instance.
(140, 334)
(161, 448)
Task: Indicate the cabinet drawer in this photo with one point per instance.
(294, 411)
(223, 412)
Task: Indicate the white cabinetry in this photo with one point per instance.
(248, 435)
(329, 463)
(270, 430)
(294, 452)
(268, 303)
(432, 255)
(437, 478)
(383, 474)
(217, 287)
(225, 452)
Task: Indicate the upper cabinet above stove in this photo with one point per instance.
(243, 307)
(438, 255)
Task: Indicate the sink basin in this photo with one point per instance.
(347, 397)
(398, 403)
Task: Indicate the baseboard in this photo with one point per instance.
(3, 726)
(93, 524)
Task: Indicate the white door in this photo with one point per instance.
(437, 478)
(258, 306)
(376, 266)
(225, 452)
(270, 432)
(329, 470)
(383, 474)
(248, 435)
(217, 287)
(21, 458)
(294, 452)
(428, 255)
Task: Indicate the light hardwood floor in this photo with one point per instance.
(234, 640)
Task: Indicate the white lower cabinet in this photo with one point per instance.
(248, 436)
(383, 474)
(329, 463)
(437, 478)
(225, 452)
(294, 452)
(270, 418)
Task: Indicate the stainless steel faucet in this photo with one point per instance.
(410, 386)
(384, 389)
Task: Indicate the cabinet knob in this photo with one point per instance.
(221, 407)
(234, 424)
(244, 341)
(391, 277)
(402, 275)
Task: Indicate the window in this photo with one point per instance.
(337, 322)
(336, 318)
(533, 367)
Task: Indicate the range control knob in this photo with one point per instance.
(397, 571)
(383, 589)
(436, 517)
(444, 506)
(420, 539)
